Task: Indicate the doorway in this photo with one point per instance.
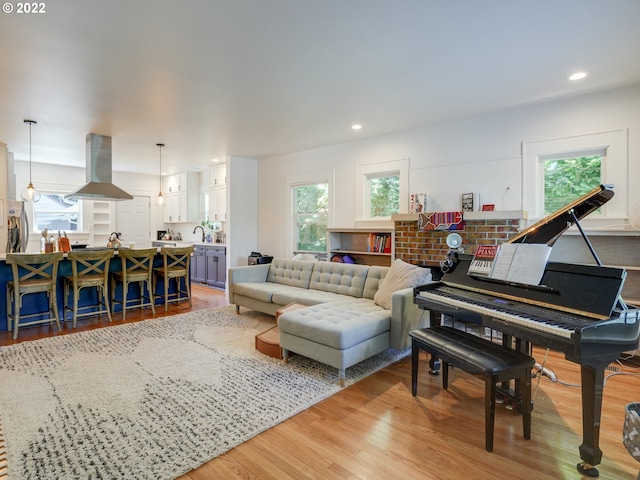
(133, 220)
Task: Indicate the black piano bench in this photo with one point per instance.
(476, 356)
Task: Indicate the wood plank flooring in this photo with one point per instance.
(375, 429)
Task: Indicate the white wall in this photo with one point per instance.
(481, 154)
(242, 209)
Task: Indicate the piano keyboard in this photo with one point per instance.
(530, 316)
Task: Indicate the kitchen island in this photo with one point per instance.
(38, 302)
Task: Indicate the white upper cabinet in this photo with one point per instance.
(181, 193)
(218, 204)
(177, 183)
(218, 175)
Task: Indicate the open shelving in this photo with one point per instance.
(365, 246)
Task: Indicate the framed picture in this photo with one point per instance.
(467, 202)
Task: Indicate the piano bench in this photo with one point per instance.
(476, 356)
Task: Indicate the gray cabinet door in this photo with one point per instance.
(216, 266)
(212, 267)
(222, 270)
(199, 267)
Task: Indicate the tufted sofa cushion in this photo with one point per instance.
(303, 296)
(295, 273)
(340, 324)
(374, 279)
(339, 278)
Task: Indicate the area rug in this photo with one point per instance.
(153, 399)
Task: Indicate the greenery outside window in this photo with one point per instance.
(383, 194)
(311, 202)
(568, 178)
(54, 212)
(612, 146)
(382, 190)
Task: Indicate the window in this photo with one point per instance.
(311, 204)
(383, 194)
(566, 179)
(585, 161)
(382, 189)
(54, 212)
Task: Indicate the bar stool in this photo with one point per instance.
(137, 267)
(32, 273)
(176, 261)
(90, 269)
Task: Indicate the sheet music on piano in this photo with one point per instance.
(520, 262)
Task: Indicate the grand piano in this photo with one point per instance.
(575, 309)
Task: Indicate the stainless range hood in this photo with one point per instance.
(99, 185)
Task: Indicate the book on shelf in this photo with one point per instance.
(483, 260)
(379, 243)
(520, 262)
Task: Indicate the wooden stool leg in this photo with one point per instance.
(489, 410)
(525, 384)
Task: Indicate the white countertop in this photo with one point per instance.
(181, 243)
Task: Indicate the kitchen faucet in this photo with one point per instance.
(199, 227)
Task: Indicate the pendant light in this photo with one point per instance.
(30, 194)
(160, 199)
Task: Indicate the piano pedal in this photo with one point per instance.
(587, 469)
(434, 367)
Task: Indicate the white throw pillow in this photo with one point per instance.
(400, 275)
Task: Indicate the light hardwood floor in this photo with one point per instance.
(375, 429)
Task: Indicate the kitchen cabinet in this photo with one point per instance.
(218, 204)
(216, 266)
(199, 264)
(176, 183)
(181, 198)
(209, 265)
(218, 175)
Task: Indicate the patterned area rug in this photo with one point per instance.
(153, 399)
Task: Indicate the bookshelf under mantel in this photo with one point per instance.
(357, 243)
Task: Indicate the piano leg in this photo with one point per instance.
(592, 389)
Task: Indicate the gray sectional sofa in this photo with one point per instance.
(352, 314)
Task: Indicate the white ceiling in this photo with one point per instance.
(257, 78)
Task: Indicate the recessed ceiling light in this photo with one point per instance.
(215, 160)
(356, 126)
(578, 76)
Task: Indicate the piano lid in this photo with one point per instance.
(552, 226)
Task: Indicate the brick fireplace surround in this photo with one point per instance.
(429, 247)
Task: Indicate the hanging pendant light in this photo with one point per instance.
(30, 194)
(160, 199)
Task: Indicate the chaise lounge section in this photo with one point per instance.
(354, 312)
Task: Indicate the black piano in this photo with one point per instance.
(575, 309)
